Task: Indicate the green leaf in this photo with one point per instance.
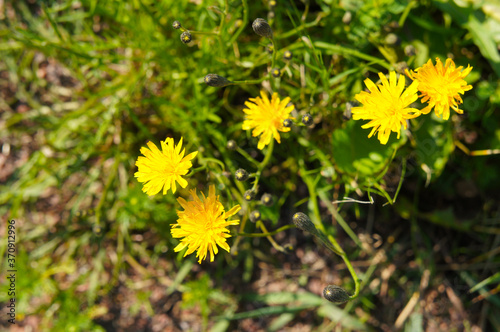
(434, 142)
(343, 319)
(266, 311)
(356, 154)
(480, 28)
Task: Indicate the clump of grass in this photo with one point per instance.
(86, 84)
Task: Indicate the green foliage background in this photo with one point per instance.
(84, 84)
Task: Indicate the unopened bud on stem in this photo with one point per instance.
(241, 175)
(303, 222)
(186, 37)
(216, 80)
(336, 294)
(262, 28)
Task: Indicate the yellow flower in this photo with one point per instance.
(266, 117)
(202, 225)
(386, 105)
(441, 86)
(163, 168)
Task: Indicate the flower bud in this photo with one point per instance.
(186, 37)
(97, 229)
(276, 72)
(391, 26)
(249, 195)
(216, 80)
(255, 216)
(401, 66)
(336, 294)
(267, 199)
(287, 123)
(346, 19)
(287, 55)
(262, 28)
(303, 222)
(348, 111)
(231, 145)
(391, 39)
(307, 119)
(176, 25)
(270, 48)
(241, 175)
(410, 50)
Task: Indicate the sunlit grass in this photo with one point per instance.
(84, 85)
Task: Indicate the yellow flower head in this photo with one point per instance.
(441, 86)
(202, 225)
(266, 117)
(163, 168)
(386, 105)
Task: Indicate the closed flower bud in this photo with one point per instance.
(287, 55)
(307, 119)
(255, 216)
(410, 50)
(186, 37)
(97, 229)
(287, 123)
(270, 48)
(391, 26)
(272, 4)
(262, 28)
(336, 294)
(391, 39)
(231, 145)
(401, 66)
(303, 222)
(276, 72)
(249, 195)
(267, 199)
(216, 80)
(241, 175)
(346, 19)
(176, 25)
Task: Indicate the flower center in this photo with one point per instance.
(169, 168)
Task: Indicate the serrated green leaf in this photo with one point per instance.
(356, 154)
(434, 144)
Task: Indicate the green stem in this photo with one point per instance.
(213, 160)
(405, 13)
(281, 229)
(347, 51)
(339, 219)
(110, 180)
(275, 51)
(221, 29)
(384, 193)
(354, 277)
(260, 80)
(243, 24)
(270, 238)
(403, 173)
(248, 157)
(267, 158)
(203, 33)
(195, 170)
(263, 164)
(299, 28)
(329, 241)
